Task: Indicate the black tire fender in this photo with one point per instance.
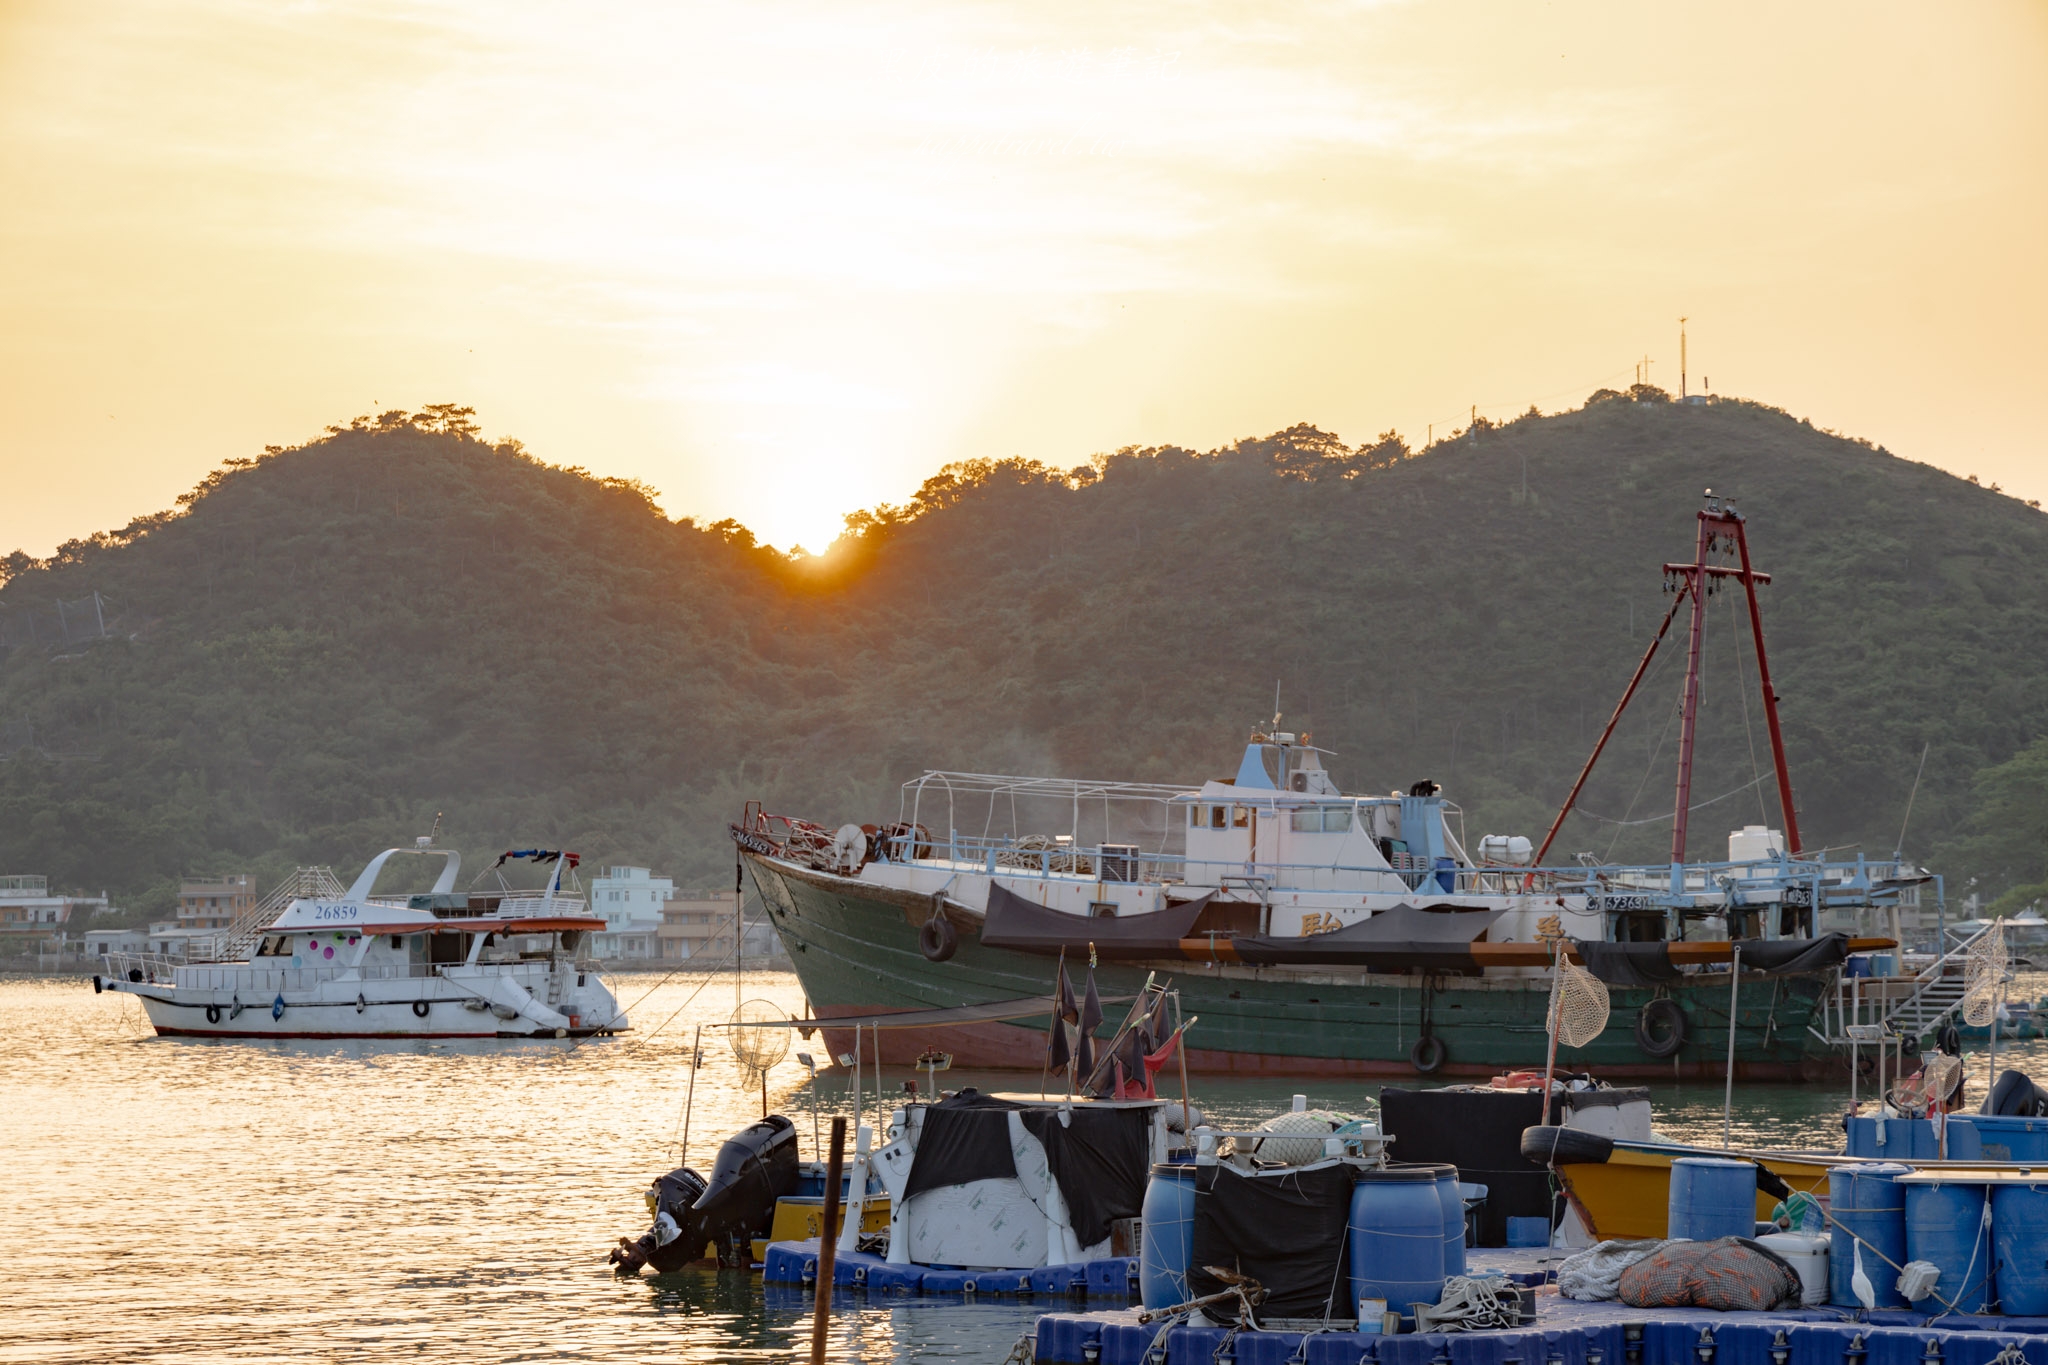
(213, 1014)
(1428, 1054)
(937, 940)
(1554, 1146)
(1662, 1028)
(420, 1008)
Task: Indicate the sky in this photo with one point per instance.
(783, 260)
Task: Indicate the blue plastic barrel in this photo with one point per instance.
(1945, 1225)
(1168, 1240)
(1454, 1219)
(1397, 1237)
(1867, 1205)
(1712, 1197)
(2019, 1245)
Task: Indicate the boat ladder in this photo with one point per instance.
(1938, 992)
(233, 943)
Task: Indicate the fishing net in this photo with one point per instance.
(759, 1035)
(1984, 976)
(1931, 1085)
(1578, 1004)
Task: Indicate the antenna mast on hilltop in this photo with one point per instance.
(1681, 360)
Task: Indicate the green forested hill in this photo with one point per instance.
(325, 646)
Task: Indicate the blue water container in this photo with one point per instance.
(1454, 1219)
(1397, 1237)
(1918, 1139)
(1945, 1225)
(1168, 1241)
(2019, 1245)
(1867, 1205)
(2024, 1139)
(1712, 1197)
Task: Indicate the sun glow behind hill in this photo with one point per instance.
(783, 260)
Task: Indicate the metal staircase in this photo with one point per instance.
(1937, 993)
(233, 943)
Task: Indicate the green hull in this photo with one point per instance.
(855, 948)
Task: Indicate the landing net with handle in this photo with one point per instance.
(1579, 1005)
(758, 1034)
(1984, 976)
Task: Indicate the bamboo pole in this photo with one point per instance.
(828, 1241)
(1728, 1090)
(690, 1100)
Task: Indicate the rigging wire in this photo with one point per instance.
(1677, 706)
(1742, 690)
(1697, 805)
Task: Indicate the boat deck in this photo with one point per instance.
(1567, 1332)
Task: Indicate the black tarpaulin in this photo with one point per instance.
(1100, 1159)
(1399, 936)
(1628, 964)
(1011, 921)
(1649, 964)
(1478, 1130)
(1786, 955)
(1284, 1229)
(965, 1137)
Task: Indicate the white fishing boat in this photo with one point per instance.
(496, 963)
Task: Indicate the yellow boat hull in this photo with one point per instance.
(1629, 1194)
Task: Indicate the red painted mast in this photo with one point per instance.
(1720, 525)
(1721, 528)
(1695, 581)
(1750, 579)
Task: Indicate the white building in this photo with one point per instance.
(29, 912)
(631, 901)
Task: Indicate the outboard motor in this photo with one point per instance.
(756, 1166)
(677, 1237)
(2015, 1095)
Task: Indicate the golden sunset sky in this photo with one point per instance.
(784, 259)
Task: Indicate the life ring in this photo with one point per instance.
(420, 1008)
(1661, 1028)
(213, 1014)
(1427, 1054)
(936, 940)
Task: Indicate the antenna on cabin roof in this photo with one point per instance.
(1276, 703)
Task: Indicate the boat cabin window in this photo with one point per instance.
(1101, 909)
(274, 946)
(447, 949)
(397, 941)
(1323, 820)
(1240, 816)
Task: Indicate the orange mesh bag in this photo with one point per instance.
(1728, 1273)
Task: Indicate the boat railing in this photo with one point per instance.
(255, 976)
(1798, 882)
(539, 905)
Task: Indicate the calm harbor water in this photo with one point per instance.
(174, 1200)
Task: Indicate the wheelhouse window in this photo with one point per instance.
(1240, 816)
(1336, 819)
(1216, 814)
